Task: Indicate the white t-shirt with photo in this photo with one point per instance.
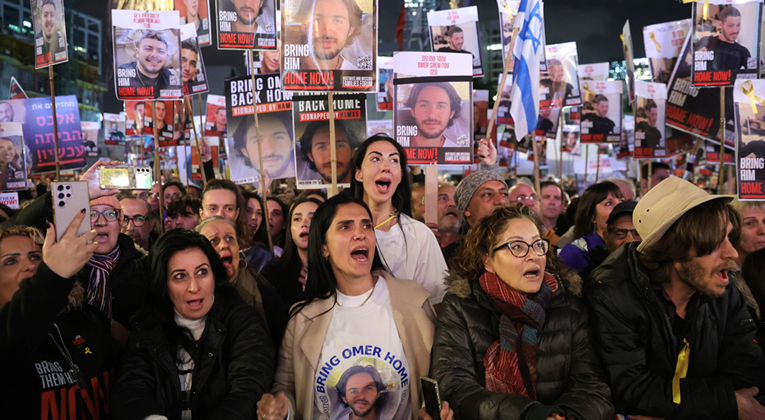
(363, 336)
(411, 252)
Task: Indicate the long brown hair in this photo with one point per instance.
(587, 207)
(483, 237)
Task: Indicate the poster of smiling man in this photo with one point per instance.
(456, 31)
(196, 13)
(602, 111)
(246, 24)
(329, 45)
(725, 42)
(147, 54)
(13, 170)
(50, 32)
(560, 86)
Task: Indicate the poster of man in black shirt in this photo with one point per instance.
(750, 140)
(723, 44)
(50, 33)
(601, 124)
(559, 87)
(650, 102)
(602, 111)
(456, 31)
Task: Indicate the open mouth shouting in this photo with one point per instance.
(532, 273)
(195, 304)
(360, 254)
(383, 185)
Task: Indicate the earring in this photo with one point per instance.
(326, 257)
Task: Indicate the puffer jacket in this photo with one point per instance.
(234, 366)
(632, 332)
(569, 375)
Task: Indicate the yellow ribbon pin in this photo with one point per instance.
(748, 90)
(704, 10)
(653, 37)
(681, 370)
(87, 350)
(586, 88)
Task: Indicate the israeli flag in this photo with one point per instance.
(527, 54)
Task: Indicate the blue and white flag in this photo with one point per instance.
(527, 54)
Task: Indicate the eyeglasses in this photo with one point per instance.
(109, 215)
(138, 220)
(532, 197)
(520, 249)
(622, 233)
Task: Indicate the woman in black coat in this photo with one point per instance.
(199, 351)
(512, 339)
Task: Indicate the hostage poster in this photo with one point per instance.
(601, 111)
(750, 138)
(317, 56)
(726, 44)
(663, 44)
(147, 54)
(456, 31)
(385, 80)
(13, 169)
(164, 119)
(197, 14)
(192, 65)
(134, 113)
(650, 100)
(508, 10)
(90, 136)
(49, 26)
(312, 143)
(275, 130)
(114, 131)
(433, 111)
(246, 24)
(596, 71)
(216, 123)
(560, 86)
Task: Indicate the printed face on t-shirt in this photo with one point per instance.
(361, 394)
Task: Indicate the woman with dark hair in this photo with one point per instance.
(590, 226)
(278, 228)
(407, 247)
(352, 316)
(513, 339)
(255, 218)
(197, 351)
(288, 273)
(45, 362)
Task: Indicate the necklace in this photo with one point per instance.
(365, 300)
(392, 215)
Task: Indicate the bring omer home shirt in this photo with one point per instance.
(362, 339)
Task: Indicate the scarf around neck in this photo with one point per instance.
(510, 361)
(99, 288)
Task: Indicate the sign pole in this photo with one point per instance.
(190, 110)
(262, 181)
(55, 120)
(721, 176)
(332, 151)
(157, 170)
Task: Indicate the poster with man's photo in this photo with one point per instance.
(596, 71)
(210, 146)
(147, 54)
(726, 43)
(456, 31)
(433, 110)
(310, 114)
(570, 131)
(750, 139)
(321, 57)
(547, 123)
(13, 169)
(601, 111)
(114, 130)
(192, 66)
(650, 101)
(196, 13)
(693, 110)
(626, 146)
(217, 121)
(134, 113)
(508, 10)
(246, 24)
(663, 43)
(49, 26)
(268, 61)
(559, 87)
(275, 129)
(165, 121)
(384, 127)
(480, 119)
(90, 131)
(505, 102)
(385, 81)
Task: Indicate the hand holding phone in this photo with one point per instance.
(69, 254)
(90, 176)
(432, 397)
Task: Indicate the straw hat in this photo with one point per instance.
(664, 204)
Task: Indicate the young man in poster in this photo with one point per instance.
(456, 38)
(161, 112)
(189, 60)
(359, 388)
(728, 54)
(192, 14)
(247, 13)
(329, 26)
(314, 147)
(6, 112)
(221, 120)
(47, 38)
(652, 134)
(601, 124)
(275, 135)
(151, 57)
(557, 90)
(434, 108)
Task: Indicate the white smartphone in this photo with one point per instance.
(69, 198)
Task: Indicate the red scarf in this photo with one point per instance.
(510, 361)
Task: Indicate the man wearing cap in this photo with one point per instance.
(619, 231)
(675, 340)
(477, 194)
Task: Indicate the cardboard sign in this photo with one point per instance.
(456, 31)
(49, 25)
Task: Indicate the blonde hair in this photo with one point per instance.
(25, 231)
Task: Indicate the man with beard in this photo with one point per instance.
(455, 36)
(315, 150)
(676, 342)
(728, 54)
(651, 136)
(137, 222)
(275, 135)
(6, 112)
(47, 39)
(599, 123)
(247, 13)
(192, 15)
(553, 88)
(329, 26)
(151, 56)
(434, 107)
(359, 388)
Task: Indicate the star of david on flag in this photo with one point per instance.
(526, 55)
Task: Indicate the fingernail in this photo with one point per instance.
(82, 211)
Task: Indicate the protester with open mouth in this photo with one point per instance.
(512, 339)
(351, 302)
(674, 335)
(198, 351)
(408, 248)
(288, 273)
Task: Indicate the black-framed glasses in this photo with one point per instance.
(520, 249)
(109, 215)
(619, 233)
(138, 220)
